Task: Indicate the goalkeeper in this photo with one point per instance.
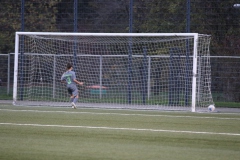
(69, 77)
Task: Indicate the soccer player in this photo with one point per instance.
(69, 77)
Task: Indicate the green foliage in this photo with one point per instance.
(156, 16)
(221, 21)
(38, 17)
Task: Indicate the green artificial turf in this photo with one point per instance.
(63, 133)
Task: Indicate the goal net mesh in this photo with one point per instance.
(152, 72)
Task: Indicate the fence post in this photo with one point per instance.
(75, 29)
(8, 79)
(149, 77)
(22, 49)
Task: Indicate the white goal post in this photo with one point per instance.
(169, 71)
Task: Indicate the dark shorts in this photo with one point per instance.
(72, 91)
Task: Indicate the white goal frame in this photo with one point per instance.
(194, 57)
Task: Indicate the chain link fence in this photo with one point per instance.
(225, 78)
(6, 76)
(225, 75)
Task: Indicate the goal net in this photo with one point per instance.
(168, 71)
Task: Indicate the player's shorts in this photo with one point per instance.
(72, 90)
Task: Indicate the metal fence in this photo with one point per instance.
(225, 75)
(6, 75)
(225, 78)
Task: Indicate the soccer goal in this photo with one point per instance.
(168, 71)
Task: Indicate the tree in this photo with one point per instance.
(160, 16)
(221, 21)
(111, 16)
(39, 16)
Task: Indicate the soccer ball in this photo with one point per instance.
(211, 108)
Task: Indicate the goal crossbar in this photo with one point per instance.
(109, 34)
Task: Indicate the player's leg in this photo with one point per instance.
(73, 104)
(70, 93)
(72, 97)
(75, 94)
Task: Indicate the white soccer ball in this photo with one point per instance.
(211, 108)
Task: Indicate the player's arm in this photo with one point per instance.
(63, 80)
(76, 81)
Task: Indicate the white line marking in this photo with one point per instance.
(120, 114)
(128, 129)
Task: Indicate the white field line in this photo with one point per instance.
(119, 114)
(126, 129)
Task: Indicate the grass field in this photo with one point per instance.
(63, 133)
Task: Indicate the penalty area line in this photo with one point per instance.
(127, 129)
